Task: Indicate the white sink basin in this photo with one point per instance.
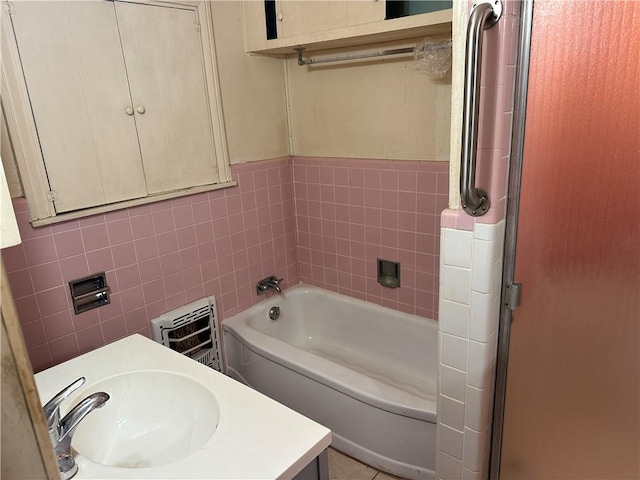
(170, 417)
(153, 418)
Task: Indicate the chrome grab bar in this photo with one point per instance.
(484, 15)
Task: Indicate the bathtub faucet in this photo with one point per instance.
(267, 283)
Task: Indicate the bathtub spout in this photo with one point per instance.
(271, 282)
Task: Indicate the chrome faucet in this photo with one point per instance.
(271, 282)
(61, 431)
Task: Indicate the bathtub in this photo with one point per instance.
(367, 372)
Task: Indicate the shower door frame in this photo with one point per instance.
(509, 289)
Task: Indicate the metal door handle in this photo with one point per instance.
(484, 15)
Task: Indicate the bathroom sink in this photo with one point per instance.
(170, 417)
(153, 418)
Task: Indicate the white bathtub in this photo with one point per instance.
(367, 372)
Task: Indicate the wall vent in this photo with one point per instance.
(192, 330)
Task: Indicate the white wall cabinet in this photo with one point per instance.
(124, 98)
(325, 24)
(299, 18)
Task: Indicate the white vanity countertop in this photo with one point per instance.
(256, 438)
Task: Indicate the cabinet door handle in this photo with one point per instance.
(129, 111)
(140, 109)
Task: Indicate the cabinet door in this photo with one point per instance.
(296, 18)
(76, 78)
(304, 17)
(164, 60)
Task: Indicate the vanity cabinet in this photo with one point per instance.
(123, 98)
(277, 27)
(317, 469)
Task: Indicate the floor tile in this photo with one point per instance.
(386, 476)
(342, 467)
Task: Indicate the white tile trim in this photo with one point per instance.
(451, 441)
(449, 468)
(469, 311)
(452, 413)
(453, 383)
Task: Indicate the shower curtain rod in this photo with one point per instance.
(352, 56)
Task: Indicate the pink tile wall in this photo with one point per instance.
(157, 257)
(496, 114)
(351, 212)
(344, 215)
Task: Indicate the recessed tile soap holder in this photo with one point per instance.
(388, 273)
(89, 292)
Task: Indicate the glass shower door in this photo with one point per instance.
(572, 403)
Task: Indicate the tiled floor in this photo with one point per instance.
(342, 467)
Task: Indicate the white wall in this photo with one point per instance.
(460, 16)
(253, 91)
(381, 108)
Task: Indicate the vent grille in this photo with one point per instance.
(191, 330)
